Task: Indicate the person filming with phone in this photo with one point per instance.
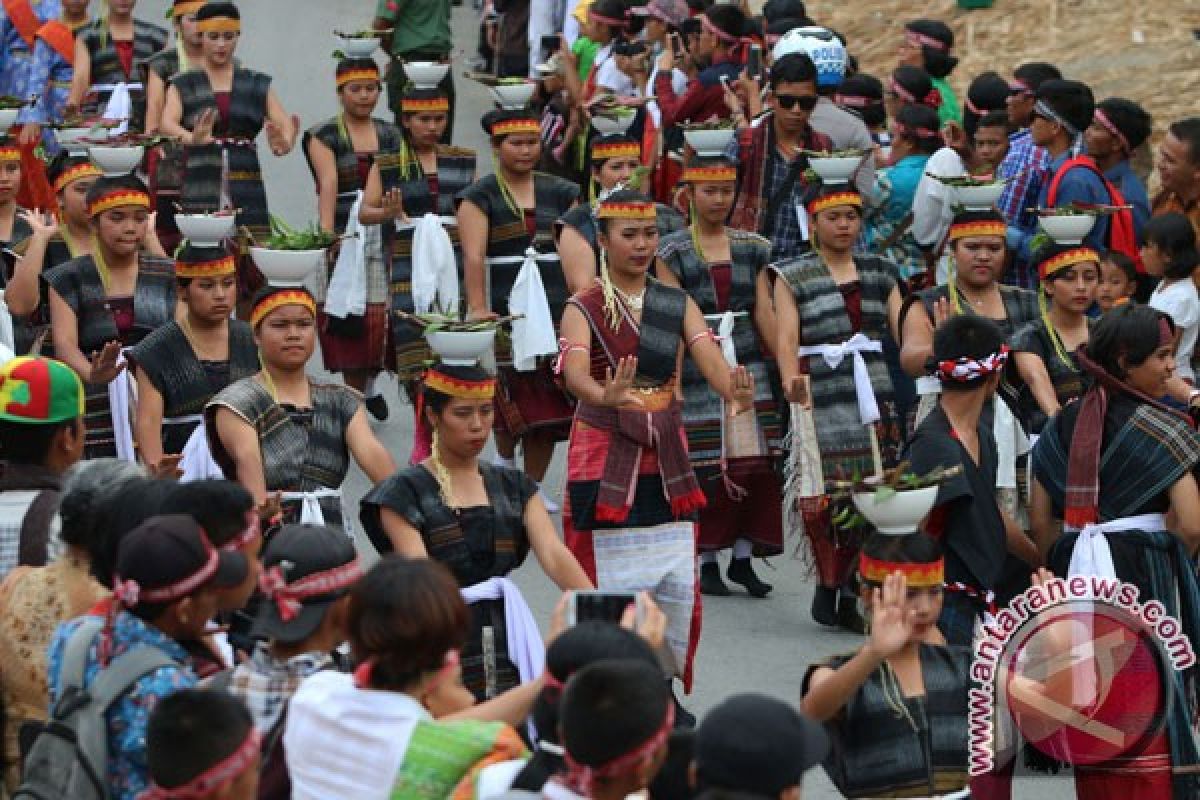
(719, 52)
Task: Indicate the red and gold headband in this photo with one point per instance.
(627, 210)
(212, 779)
(416, 105)
(76, 173)
(1056, 264)
(917, 576)
(287, 297)
(186, 7)
(603, 150)
(118, 198)
(219, 25)
(983, 227)
(457, 387)
(826, 202)
(205, 269)
(507, 127)
(9, 153)
(719, 174)
(357, 74)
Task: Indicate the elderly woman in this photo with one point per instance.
(34, 600)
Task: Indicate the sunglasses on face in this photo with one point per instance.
(806, 102)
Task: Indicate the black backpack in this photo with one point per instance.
(69, 756)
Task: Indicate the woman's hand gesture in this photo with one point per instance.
(618, 388)
(202, 131)
(942, 311)
(104, 364)
(743, 390)
(797, 392)
(41, 225)
(892, 620)
(393, 204)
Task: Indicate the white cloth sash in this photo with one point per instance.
(434, 271)
(120, 105)
(196, 461)
(122, 405)
(928, 384)
(855, 346)
(346, 294)
(1092, 555)
(725, 322)
(310, 504)
(533, 334)
(525, 648)
(446, 221)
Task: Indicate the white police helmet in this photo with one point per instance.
(821, 45)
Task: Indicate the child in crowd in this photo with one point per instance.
(202, 745)
(1169, 251)
(991, 140)
(1118, 280)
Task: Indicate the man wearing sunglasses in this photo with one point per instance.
(771, 161)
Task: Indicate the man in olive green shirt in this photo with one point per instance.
(421, 32)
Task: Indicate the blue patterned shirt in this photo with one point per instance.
(14, 52)
(128, 774)
(1022, 167)
(49, 77)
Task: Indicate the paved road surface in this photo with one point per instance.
(747, 645)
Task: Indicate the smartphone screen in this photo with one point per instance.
(605, 606)
(754, 61)
(549, 46)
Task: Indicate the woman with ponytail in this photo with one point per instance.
(927, 44)
(724, 271)
(477, 519)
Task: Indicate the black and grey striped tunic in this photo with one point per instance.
(106, 68)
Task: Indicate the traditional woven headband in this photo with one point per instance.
(1056, 264)
(222, 773)
(917, 576)
(965, 370)
(855, 101)
(415, 105)
(1043, 109)
(605, 20)
(457, 387)
(634, 210)
(288, 596)
(118, 198)
(986, 227)
(603, 150)
(921, 40)
(219, 25)
(364, 74)
(719, 174)
(130, 593)
(582, 777)
(186, 7)
(251, 532)
(288, 297)
(521, 125)
(1108, 125)
(205, 269)
(915, 132)
(9, 153)
(76, 173)
(825, 202)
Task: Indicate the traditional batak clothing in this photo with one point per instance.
(115, 62)
(737, 464)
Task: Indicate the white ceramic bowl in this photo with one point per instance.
(514, 95)
(899, 514)
(205, 230)
(1068, 230)
(286, 267)
(359, 48)
(606, 126)
(425, 74)
(979, 198)
(115, 161)
(461, 348)
(71, 139)
(834, 170)
(8, 118)
(710, 142)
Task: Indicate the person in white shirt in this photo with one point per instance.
(1169, 250)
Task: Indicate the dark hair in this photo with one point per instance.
(1188, 131)
(586, 643)
(966, 336)
(916, 82)
(86, 489)
(406, 615)
(104, 185)
(1034, 73)
(1121, 262)
(965, 216)
(620, 196)
(1071, 100)
(710, 161)
(1175, 238)
(673, 781)
(614, 9)
(793, 68)
(778, 27)
(30, 443)
(728, 19)
(691, 25)
(912, 548)
(189, 253)
(774, 10)
(1133, 121)
(920, 123)
(987, 92)
(993, 119)
(117, 515)
(191, 731)
(436, 401)
(938, 63)
(870, 89)
(213, 10)
(610, 708)
(219, 506)
(823, 190)
(1130, 331)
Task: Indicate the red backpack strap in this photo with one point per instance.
(1068, 165)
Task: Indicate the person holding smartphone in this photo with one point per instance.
(718, 53)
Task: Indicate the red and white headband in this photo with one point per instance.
(288, 597)
(965, 370)
(582, 777)
(1108, 125)
(217, 776)
(923, 40)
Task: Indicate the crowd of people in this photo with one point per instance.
(727, 343)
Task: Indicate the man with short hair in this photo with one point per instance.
(419, 31)
(1118, 128)
(721, 32)
(1024, 159)
(1178, 165)
(41, 436)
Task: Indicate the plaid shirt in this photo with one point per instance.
(266, 684)
(1022, 166)
(787, 240)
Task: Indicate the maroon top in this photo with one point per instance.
(224, 100)
(852, 298)
(434, 187)
(122, 311)
(722, 280)
(531, 222)
(365, 160)
(124, 55)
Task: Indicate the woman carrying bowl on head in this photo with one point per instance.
(500, 216)
(281, 433)
(107, 300)
(615, 160)
(418, 176)
(341, 152)
(217, 110)
(182, 364)
(477, 519)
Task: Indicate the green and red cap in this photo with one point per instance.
(39, 391)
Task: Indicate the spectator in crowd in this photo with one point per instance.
(718, 55)
(1169, 254)
(512, 42)
(1118, 280)
(202, 745)
(1022, 165)
(991, 140)
(1118, 129)
(1178, 165)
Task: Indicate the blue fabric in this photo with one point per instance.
(1021, 166)
(127, 772)
(1131, 187)
(1079, 185)
(49, 77)
(14, 53)
(905, 174)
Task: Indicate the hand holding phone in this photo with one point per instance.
(601, 605)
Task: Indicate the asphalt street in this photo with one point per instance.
(748, 645)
